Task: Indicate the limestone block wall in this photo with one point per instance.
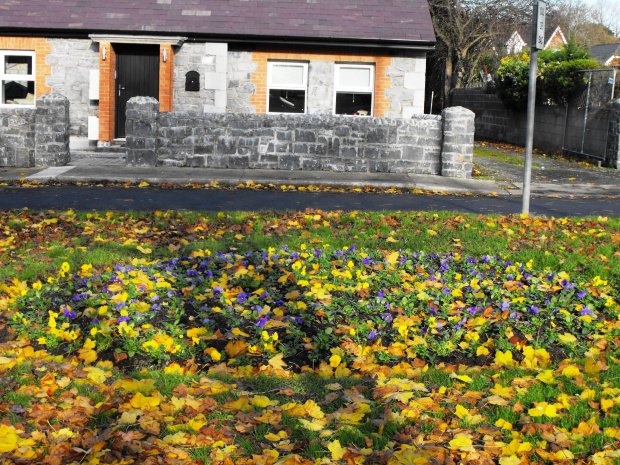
(17, 136)
(35, 136)
(70, 61)
(306, 142)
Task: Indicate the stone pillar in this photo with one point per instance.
(51, 141)
(141, 131)
(457, 150)
(612, 153)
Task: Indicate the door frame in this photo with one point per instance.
(107, 76)
(137, 67)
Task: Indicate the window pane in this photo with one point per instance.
(355, 77)
(349, 103)
(286, 101)
(18, 92)
(287, 74)
(15, 64)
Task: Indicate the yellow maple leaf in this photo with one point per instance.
(392, 258)
(276, 437)
(64, 434)
(481, 350)
(97, 375)
(507, 392)
(10, 439)
(464, 378)
(567, 338)
(179, 438)
(503, 424)
(143, 184)
(461, 412)
(606, 404)
(144, 250)
(504, 358)
(87, 355)
(174, 368)
(546, 377)
(564, 455)
(130, 417)
(313, 425)
(139, 401)
(337, 450)
(571, 371)
(197, 422)
(277, 362)
(543, 408)
(512, 460)
(461, 442)
(263, 401)
(213, 353)
(612, 433)
(334, 360)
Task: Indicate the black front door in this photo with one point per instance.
(137, 74)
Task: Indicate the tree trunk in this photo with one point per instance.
(448, 78)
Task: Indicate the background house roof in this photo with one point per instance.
(361, 20)
(604, 52)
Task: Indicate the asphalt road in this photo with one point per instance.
(82, 198)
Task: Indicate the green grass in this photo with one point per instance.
(501, 157)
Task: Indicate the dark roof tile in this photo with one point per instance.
(385, 20)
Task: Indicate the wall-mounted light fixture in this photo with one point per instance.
(165, 56)
(103, 55)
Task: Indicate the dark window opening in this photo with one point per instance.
(349, 103)
(286, 101)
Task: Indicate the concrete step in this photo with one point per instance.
(117, 148)
(82, 154)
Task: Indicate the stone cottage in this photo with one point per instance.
(318, 57)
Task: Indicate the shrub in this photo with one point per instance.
(557, 77)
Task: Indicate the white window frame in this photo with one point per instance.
(287, 86)
(351, 89)
(17, 77)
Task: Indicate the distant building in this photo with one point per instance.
(515, 44)
(607, 54)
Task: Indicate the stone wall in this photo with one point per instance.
(210, 60)
(496, 122)
(240, 86)
(17, 136)
(71, 61)
(308, 142)
(35, 137)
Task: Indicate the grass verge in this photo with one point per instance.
(305, 336)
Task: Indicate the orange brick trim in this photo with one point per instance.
(107, 92)
(382, 82)
(41, 47)
(166, 78)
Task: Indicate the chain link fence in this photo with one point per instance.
(586, 126)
